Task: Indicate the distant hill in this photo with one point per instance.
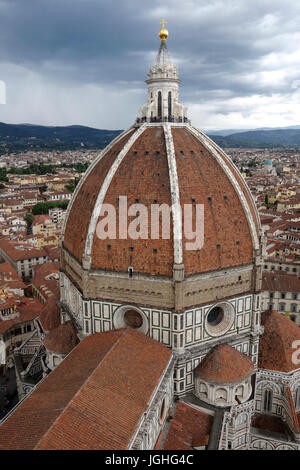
(226, 132)
(260, 138)
(14, 137)
(20, 137)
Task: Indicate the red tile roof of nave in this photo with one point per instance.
(189, 428)
(83, 204)
(101, 390)
(224, 365)
(276, 350)
(144, 178)
(201, 177)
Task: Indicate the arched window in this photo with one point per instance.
(221, 395)
(268, 400)
(169, 104)
(159, 104)
(297, 399)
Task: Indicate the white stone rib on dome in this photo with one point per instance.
(175, 195)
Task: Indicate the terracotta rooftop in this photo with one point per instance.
(50, 315)
(269, 423)
(189, 428)
(224, 365)
(275, 345)
(18, 250)
(283, 282)
(9, 277)
(28, 310)
(94, 398)
(62, 339)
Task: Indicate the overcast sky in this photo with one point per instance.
(85, 61)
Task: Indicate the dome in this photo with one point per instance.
(275, 345)
(268, 162)
(164, 164)
(224, 365)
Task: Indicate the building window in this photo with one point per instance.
(268, 400)
(297, 399)
(159, 113)
(163, 410)
(215, 316)
(283, 295)
(170, 104)
(282, 307)
(133, 319)
(130, 272)
(295, 296)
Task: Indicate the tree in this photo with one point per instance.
(29, 218)
(43, 189)
(44, 207)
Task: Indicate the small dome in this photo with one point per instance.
(268, 162)
(224, 365)
(275, 345)
(62, 339)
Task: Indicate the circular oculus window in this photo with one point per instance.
(133, 319)
(219, 319)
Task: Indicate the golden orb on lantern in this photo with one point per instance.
(163, 33)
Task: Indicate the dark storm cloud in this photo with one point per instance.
(79, 51)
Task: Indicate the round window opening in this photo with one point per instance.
(133, 319)
(215, 316)
(219, 319)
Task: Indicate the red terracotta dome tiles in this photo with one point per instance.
(143, 177)
(224, 365)
(202, 178)
(83, 204)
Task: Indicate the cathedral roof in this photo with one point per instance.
(276, 344)
(224, 365)
(50, 315)
(95, 397)
(164, 164)
(189, 428)
(61, 339)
